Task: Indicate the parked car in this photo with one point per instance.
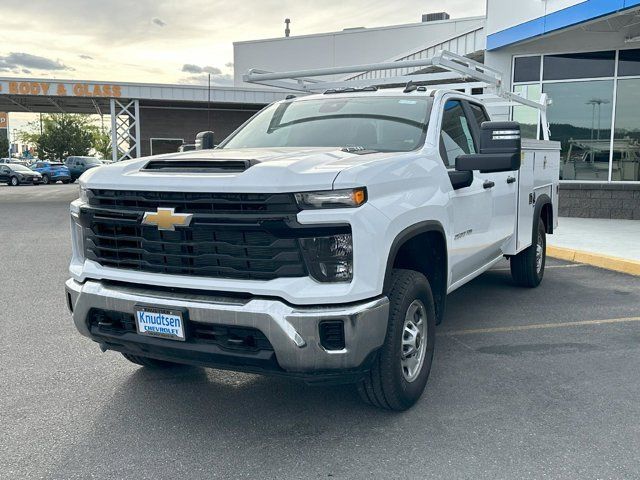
(78, 165)
(15, 174)
(52, 172)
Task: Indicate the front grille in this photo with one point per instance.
(245, 339)
(237, 236)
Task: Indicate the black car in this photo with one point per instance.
(14, 174)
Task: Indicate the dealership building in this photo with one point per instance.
(585, 55)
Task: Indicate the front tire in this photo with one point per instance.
(401, 369)
(46, 180)
(527, 268)
(14, 181)
(149, 362)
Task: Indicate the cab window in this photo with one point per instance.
(479, 113)
(455, 136)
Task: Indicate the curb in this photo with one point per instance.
(623, 265)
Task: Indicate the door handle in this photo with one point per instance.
(511, 180)
(488, 184)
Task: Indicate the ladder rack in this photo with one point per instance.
(468, 74)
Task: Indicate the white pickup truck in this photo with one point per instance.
(319, 241)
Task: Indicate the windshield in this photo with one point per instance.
(385, 124)
(20, 168)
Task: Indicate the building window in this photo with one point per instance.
(580, 118)
(526, 69)
(581, 88)
(579, 65)
(626, 145)
(629, 63)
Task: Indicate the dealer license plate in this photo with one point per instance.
(160, 322)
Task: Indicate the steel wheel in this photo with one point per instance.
(539, 253)
(414, 343)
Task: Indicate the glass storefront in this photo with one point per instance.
(589, 92)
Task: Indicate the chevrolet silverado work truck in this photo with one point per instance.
(319, 241)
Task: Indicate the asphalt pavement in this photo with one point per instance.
(540, 383)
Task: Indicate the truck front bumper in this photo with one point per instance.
(293, 332)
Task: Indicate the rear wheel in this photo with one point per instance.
(14, 181)
(401, 370)
(46, 180)
(527, 268)
(66, 181)
(149, 362)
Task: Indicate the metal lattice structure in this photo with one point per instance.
(125, 129)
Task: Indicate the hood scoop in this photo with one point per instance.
(198, 166)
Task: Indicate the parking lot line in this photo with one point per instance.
(539, 326)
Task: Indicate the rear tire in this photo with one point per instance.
(401, 369)
(527, 268)
(149, 362)
(46, 180)
(66, 181)
(14, 182)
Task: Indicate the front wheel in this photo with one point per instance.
(14, 181)
(46, 180)
(400, 372)
(527, 268)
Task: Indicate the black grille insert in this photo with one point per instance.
(195, 202)
(238, 236)
(332, 334)
(233, 338)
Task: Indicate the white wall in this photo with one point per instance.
(503, 14)
(343, 48)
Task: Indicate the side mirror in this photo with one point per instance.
(500, 149)
(205, 141)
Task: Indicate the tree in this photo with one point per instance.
(101, 142)
(63, 135)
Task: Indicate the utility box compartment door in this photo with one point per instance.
(526, 204)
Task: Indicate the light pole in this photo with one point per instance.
(599, 102)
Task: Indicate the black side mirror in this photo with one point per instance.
(205, 141)
(500, 149)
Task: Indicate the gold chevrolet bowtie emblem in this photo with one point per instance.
(167, 219)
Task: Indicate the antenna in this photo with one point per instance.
(287, 30)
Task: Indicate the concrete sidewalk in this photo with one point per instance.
(611, 244)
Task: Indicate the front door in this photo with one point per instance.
(470, 208)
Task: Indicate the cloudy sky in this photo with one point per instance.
(174, 41)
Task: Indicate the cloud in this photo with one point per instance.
(16, 60)
(229, 64)
(158, 22)
(27, 71)
(191, 68)
(225, 80)
(86, 57)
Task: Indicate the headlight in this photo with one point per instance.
(349, 198)
(329, 259)
(84, 195)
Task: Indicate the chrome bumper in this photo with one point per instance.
(292, 331)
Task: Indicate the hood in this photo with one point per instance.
(240, 170)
